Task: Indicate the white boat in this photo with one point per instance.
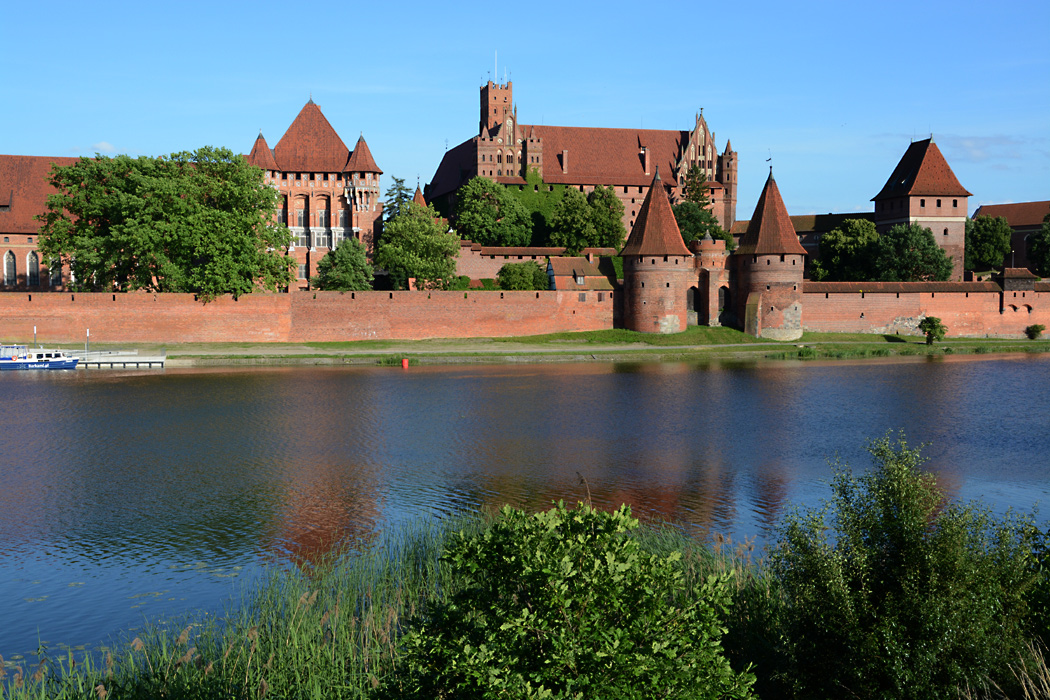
(20, 357)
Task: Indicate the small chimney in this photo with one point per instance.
(565, 161)
(645, 159)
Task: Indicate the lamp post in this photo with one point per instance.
(1012, 258)
(87, 343)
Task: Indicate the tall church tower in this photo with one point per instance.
(497, 104)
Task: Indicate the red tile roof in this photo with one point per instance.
(922, 171)
(1019, 273)
(418, 198)
(809, 287)
(1018, 215)
(607, 156)
(261, 155)
(311, 144)
(655, 230)
(566, 270)
(24, 188)
(770, 231)
(808, 223)
(361, 161)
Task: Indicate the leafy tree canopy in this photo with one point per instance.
(1039, 249)
(572, 224)
(397, 195)
(933, 329)
(344, 269)
(488, 214)
(909, 253)
(539, 200)
(848, 252)
(694, 222)
(415, 245)
(607, 217)
(987, 242)
(523, 276)
(199, 222)
(567, 604)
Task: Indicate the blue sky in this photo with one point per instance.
(834, 91)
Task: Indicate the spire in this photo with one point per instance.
(417, 198)
(362, 161)
(261, 155)
(770, 231)
(655, 230)
(729, 146)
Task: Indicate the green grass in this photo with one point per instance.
(693, 335)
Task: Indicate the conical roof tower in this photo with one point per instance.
(770, 231)
(655, 230)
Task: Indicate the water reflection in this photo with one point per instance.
(142, 494)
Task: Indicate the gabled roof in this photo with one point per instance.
(24, 188)
(610, 156)
(655, 230)
(261, 155)
(770, 231)
(311, 144)
(922, 171)
(566, 270)
(1018, 215)
(361, 161)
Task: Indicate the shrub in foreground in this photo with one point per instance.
(890, 591)
(1034, 331)
(567, 604)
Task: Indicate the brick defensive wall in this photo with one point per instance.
(64, 317)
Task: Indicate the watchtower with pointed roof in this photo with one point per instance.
(328, 192)
(657, 268)
(923, 190)
(768, 267)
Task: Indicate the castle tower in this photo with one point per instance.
(657, 268)
(727, 175)
(711, 298)
(497, 104)
(923, 190)
(768, 271)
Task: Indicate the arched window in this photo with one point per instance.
(9, 269)
(54, 270)
(33, 269)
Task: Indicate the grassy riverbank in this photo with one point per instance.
(697, 343)
(891, 592)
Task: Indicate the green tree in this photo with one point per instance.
(848, 252)
(933, 329)
(607, 217)
(539, 200)
(892, 591)
(987, 242)
(909, 253)
(695, 188)
(488, 214)
(397, 195)
(1039, 249)
(414, 245)
(572, 224)
(344, 269)
(199, 222)
(523, 276)
(694, 222)
(566, 604)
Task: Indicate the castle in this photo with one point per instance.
(583, 157)
(330, 193)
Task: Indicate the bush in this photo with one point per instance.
(1034, 331)
(523, 276)
(933, 328)
(566, 604)
(890, 591)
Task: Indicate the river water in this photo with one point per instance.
(127, 497)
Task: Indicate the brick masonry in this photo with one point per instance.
(62, 317)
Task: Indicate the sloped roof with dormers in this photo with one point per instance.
(655, 230)
(311, 144)
(261, 155)
(361, 160)
(922, 171)
(770, 231)
(24, 189)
